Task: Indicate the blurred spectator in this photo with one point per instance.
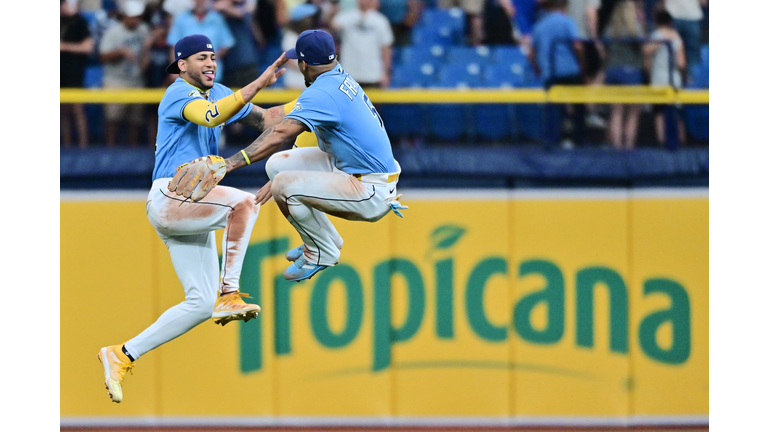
(75, 47)
(624, 66)
(155, 76)
(366, 44)
(202, 19)
(526, 13)
(178, 7)
(664, 74)
(269, 18)
(557, 55)
(302, 19)
(402, 15)
(124, 50)
(473, 9)
(498, 16)
(241, 61)
(688, 17)
(585, 13)
(328, 9)
(159, 24)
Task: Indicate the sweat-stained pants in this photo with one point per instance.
(188, 231)
(310, 185)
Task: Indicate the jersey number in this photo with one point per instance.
(373, 111)
(211, 114)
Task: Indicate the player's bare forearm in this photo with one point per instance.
(267, 144)
(260, 118)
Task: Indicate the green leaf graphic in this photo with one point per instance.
(445, 236)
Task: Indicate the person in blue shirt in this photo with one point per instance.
(557, 56)
(203, 19)
(191, 115)
(351, 174)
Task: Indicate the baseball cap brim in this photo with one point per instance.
(173, 68)
(291, 54)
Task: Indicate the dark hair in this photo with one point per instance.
(662, 17)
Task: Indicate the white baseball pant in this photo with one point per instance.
(188, 231)
(307, 187)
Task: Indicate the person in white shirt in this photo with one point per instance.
(366, 44)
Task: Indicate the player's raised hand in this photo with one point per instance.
(273, 72)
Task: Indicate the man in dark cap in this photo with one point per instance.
(192, 113)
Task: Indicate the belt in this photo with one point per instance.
(377, 178)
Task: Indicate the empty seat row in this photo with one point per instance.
(463, 75)
(452, 122)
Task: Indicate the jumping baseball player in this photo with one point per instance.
(192, 113)
(352, 174)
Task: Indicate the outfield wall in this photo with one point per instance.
(487, 307)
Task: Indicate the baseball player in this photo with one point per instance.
(351, 174)
(192, 113)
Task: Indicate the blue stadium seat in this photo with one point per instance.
(446, 122)
(505, 75)
(95, 115)
(428, 36)
(402, 120)
(460, 75)
(493, 122)
(421, 53)
(413, 75)
(439, 26)
(453, 18)
(464, 54)
(508, 54)
(530, 121)
(696, 119)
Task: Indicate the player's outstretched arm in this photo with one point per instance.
(205, 113)
(261, 119)
(268, 143)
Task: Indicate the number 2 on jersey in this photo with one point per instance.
(373, 110)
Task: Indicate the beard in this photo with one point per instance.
(197, 79)
(307, 83)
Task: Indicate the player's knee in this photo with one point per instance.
(279, 184)
(273, 164)
(201, 308)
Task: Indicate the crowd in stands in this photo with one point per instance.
(126, 44)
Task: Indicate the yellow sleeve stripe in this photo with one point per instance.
(205, 113)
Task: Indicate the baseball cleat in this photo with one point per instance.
(295, 253)
(231, 307)
(301, 270)
(115, 364)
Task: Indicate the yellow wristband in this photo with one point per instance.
(246, 157)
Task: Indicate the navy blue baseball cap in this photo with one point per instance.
(187, 46)
(315, 47)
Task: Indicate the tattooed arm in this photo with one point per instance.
(267, 144)
(261, 119)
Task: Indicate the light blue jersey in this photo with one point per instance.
(346, 124)
(179, 140)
